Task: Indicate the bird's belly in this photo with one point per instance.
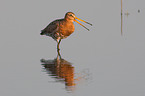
(66, 31)
(62, 31)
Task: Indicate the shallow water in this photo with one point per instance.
(99, 61)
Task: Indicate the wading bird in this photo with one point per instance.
(62, 28)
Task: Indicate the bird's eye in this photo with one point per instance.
(71, 15)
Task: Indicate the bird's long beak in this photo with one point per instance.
(82, 21)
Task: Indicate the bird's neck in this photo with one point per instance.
(69, 20)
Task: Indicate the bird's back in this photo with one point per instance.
(58, 28)
(51, 27)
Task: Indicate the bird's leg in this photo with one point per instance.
(58, 55)
(58, 49)
(58, 45)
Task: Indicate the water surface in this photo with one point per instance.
(101, 62)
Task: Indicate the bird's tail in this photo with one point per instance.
(42, 32)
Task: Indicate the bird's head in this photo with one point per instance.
(70, 16)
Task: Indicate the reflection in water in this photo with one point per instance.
(62, 70)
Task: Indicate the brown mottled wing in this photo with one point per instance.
(50, 28)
